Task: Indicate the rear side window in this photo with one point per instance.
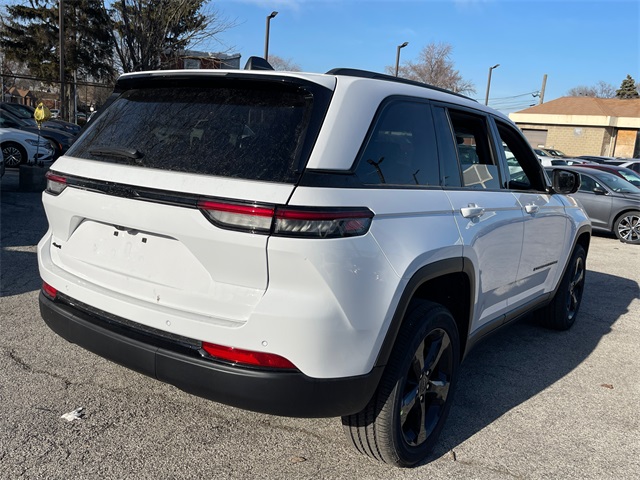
(240, 131)
(401, 149)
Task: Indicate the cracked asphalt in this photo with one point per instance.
(531, 403)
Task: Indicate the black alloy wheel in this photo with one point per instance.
(562, 311)
(403, 420)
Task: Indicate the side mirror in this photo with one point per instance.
(565, 181)
(599, 191)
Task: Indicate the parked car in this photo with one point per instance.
(306, 244)
(597, 158)
(25, 113)
(548, 160)
(612, 203)
(623, 172)
(576, 161)
(555, 153)
(2, 167)
(60, 141)
(633, 164)
(20, 147)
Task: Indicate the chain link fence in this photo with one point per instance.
(82, 96)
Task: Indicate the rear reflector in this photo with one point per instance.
(247, 357)
(49, 291)
(55, 183)
(309, 222)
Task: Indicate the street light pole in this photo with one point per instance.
(266, 37)
(398, 56)
(486, 100)
(63, 109)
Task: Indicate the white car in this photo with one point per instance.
(20, 147)
(633, 164)
(306, 244)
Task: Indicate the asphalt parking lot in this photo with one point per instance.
(531, 403)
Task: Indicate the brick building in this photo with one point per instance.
(191, 59)
(584, 126)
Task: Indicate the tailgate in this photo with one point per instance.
(160, 253)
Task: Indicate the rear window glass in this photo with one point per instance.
(240, 132)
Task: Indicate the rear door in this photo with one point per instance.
(596, 200)
(489, 218)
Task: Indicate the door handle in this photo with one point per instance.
(472, 211)
(531, 209)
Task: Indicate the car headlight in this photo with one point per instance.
(38, 143)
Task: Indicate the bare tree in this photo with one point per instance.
(435, 67)
(283, 64)
(600, 90)
(149, 34)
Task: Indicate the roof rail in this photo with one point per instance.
(353, 72)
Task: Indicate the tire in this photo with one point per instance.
(403, 420)
(561, 313)
(14, 154)
(627, 227)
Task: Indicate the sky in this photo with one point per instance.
(574, 42)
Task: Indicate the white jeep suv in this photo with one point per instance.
(306, 245)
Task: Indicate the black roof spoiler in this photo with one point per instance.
(257, 63)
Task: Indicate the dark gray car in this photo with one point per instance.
(612, 203)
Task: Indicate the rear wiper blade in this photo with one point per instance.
(121, 152)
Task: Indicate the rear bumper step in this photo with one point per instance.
(286, 393)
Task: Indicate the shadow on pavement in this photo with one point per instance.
(22, 225)
(524, 359)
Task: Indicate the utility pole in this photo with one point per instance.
(2, 79)
(544, 84)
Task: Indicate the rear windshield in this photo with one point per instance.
(254, 132)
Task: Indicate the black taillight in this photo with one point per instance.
(308, 222)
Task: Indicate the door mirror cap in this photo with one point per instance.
(565, 181)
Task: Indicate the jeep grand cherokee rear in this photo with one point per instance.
(305, 245)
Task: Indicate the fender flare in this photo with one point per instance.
(422, 275)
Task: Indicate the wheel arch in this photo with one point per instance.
(449, 282)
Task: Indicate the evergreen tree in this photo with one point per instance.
(628, 88)
(29, 34)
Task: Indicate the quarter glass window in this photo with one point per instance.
(479, 170)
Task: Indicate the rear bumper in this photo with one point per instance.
(286, 393)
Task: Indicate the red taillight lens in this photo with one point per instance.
(49, 291)
(55, 183)
(247, 357)
(306, 222)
